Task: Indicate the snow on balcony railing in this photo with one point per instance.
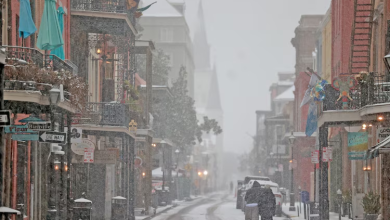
(32, 55)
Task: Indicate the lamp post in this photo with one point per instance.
(177, 151)
(54, 98)
(291, 139)
(339, 197)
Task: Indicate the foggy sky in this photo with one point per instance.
(250, 40)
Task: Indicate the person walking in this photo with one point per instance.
(231, 186)
(267, 204)
(252, 198)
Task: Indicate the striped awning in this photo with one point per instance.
(380, 148)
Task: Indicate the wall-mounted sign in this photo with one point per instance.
(357, 145)
(327, 154)
(107, 156)
(78, 148)
(382, 133)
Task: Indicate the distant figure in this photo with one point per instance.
(267, 204)
(252, 198)
(231, 186)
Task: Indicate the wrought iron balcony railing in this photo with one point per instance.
(373, 89)
(113, 6)
(32, 55)
(101, 113)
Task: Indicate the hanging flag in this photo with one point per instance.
(311, 123)
(26, 23)
(145, 8)
(313, 81)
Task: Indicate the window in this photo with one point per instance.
(166, 35)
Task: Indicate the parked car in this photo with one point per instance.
(275, 190)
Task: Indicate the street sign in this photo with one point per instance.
(89, 155)
(305, 196)
(40, 126)
(25, 137)
(5, 118)
(17, 129)
(315, 156)
(52, 137)
(75, 135)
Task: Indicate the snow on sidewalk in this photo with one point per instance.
(294, 214)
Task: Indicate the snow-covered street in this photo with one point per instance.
(213, 207)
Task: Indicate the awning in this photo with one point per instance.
(381, 147)
(6, 210)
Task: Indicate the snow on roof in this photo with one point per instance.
(83, 200)
(161, 9)
(287, 95)
(176, 1)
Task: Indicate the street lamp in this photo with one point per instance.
(205, 173)
(54, 96)
(291, 139)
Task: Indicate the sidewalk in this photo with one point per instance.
(294, 215)
(162, 209)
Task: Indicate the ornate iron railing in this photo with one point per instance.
(100, 113)
(32, 55)
(113, 6)
(373, 88)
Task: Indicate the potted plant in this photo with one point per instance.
(347, 199)
(371, 205)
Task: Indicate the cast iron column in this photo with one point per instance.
(292, 194)
(324, 198)
(1, 130)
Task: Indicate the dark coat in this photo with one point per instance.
(267, 204)
(253, 195)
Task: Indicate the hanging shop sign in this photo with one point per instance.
(78, 148)
(40, 126)
(52, 137)
(25, 137)
(75, 135)
(315, 156)
(89, 155)
(357, 145)
(5, 118)
(382, 133)
(138, 162)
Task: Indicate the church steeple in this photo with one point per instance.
(201, 46)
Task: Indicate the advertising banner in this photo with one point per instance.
(357, 145)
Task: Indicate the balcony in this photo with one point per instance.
(108, 114)
(113, 6)
(103, 16)
(35, 56)
(373, 90)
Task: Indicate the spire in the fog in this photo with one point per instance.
(214, 100)
(201, 45)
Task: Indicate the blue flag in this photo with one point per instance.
(311, 123)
